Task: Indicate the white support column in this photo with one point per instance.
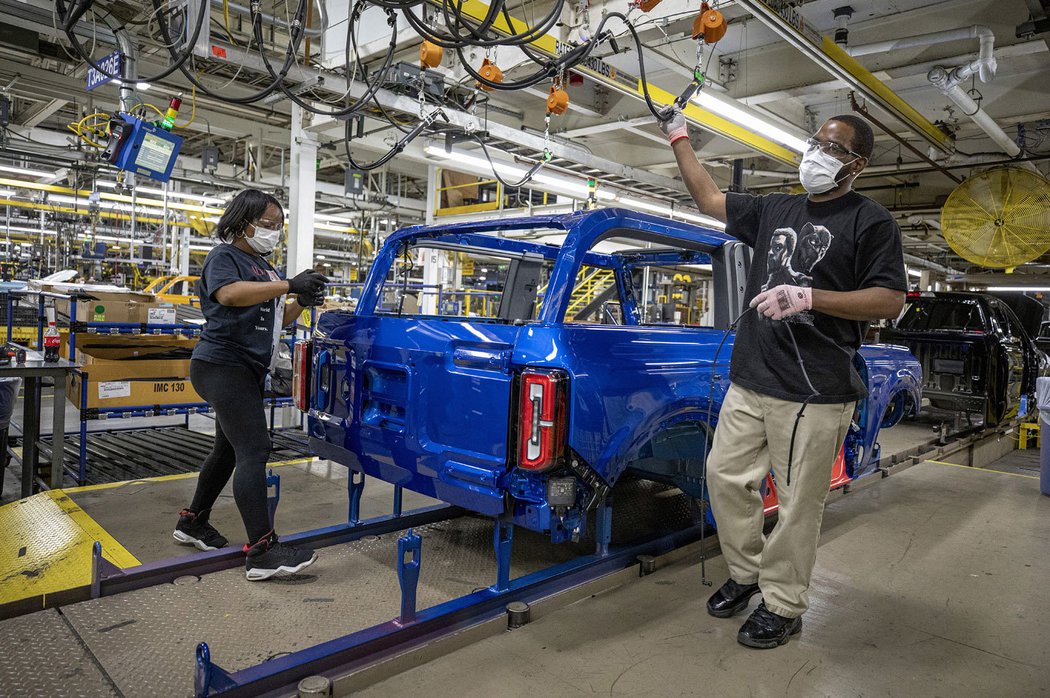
(925, 280)
(302, 190)
(184, 251)
(432, 187)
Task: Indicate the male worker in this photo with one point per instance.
(793, 387)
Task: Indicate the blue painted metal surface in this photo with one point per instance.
(503, 543)
(209, 678)
(428, 403)
(365, 647)
(355, 488)
(409, 558)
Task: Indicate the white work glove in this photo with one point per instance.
(783, 301)
(674, 125)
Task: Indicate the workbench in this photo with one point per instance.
(31, 372)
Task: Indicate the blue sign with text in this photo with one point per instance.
(110, 63)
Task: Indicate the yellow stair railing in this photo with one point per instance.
(592, 284)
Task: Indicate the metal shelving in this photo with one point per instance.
(87, 414)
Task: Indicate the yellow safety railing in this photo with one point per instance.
(593, 283)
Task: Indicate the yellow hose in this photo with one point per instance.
(82, 131)
(193, 109)
(226, 21)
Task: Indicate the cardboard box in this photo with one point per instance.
(112, 375)
(95, 305)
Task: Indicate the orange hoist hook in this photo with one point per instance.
(430, 54)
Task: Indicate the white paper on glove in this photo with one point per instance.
(783, 301)
(674, 127)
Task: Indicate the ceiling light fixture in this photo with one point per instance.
(173, 194)
(1021, 289)
(660, 209)
(26, 171)
(721, 107)
(575, 188)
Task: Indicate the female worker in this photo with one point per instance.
(243, 301)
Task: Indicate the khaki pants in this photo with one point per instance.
(753, 434)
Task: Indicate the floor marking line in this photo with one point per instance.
(987, 470)
(111, 548)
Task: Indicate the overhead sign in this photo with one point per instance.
(111, 64)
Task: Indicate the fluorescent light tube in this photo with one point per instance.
(1021, 289)
(572, 187)
(503, 168)
(663, 210)
(26, 171)
(914, 272)
(172, 194)
(716, 105)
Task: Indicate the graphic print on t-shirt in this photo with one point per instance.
(792, 257)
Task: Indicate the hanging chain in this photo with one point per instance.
(547, 137)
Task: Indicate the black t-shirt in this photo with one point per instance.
(236, 336)
(845, 244)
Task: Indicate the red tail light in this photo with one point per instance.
(301, 375)
(541, 428)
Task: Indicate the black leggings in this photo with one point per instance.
(242, 442)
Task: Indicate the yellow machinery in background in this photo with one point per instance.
(177, 290)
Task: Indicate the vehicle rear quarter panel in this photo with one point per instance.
(888, 370)
(628, 383)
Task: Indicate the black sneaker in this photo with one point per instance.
(192, 529)
(730, 599)
(765, 630)
(270, 558)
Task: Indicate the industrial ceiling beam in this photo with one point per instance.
(461, 119)
(785, 20)
(42, 111)
(623, 83)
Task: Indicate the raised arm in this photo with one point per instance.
(708, 197)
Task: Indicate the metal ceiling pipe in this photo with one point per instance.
(948, 82)
(943, 79)
(322, 14)
(129, 71)
(985, 60)
(927, 264)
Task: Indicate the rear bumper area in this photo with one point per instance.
(449, 486)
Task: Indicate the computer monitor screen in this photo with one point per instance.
(155, 153)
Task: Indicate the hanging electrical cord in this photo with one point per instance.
(70, 18)
(423, 124)
(536, 167)
(359, 103)
(814, 393)
(292, 48)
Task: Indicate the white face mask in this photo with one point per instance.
(264, 240)
(818, 169)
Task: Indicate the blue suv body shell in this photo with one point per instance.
(428, 403)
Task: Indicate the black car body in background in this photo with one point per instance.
(976, 355)
(1043, 340)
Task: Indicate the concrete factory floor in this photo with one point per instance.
(931, 582)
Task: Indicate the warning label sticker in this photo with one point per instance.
(114, 389)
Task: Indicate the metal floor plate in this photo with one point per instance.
(45, 546)
(129, 454)
(41, 656)
(145, 639)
